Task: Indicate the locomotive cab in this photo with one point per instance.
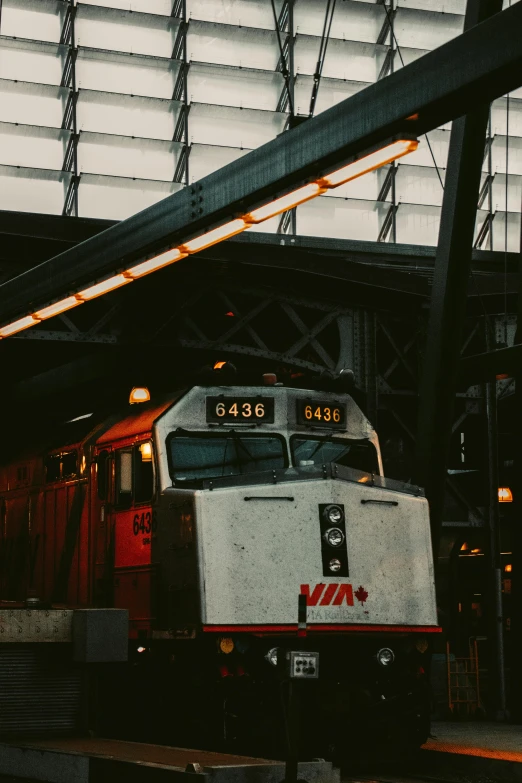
(268, 493)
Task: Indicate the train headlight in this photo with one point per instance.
(333, 514)
(226, 645)
(334, 565)
(271, 656)
(385, 656)
(334, 536)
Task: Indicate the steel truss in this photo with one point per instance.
(69, 118)
(180, 92)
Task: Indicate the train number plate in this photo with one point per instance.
(228, 410)
(318, 413)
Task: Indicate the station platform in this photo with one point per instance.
(94, 760)
(482, 751)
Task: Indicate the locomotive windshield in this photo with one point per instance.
(196, 457)
(356, 454)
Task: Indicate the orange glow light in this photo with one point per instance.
(58, 307)
(164, 259)
(214, 236)
(139, 394)
(285, 203)
(508, 568)
(104, 287)
(505, 495)
(219, 365)
(373, 160)
(18, 326)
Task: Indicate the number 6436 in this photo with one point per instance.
(245, 410)
(322, 413)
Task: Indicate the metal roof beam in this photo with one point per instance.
(474, 68)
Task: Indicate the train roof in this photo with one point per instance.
(138, 422)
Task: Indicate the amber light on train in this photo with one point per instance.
(369, 161)
(146, 451)
(505, 495)
(139, 394)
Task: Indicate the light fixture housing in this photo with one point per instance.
(284, 203)
(214, 236)
(146, 451)
(104, 287)
(394, 149)
(18, 326)
(385, 656)
(139, 394)
(505, 495)
(334, 536)
(58, 307)
(158, 262)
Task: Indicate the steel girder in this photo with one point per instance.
(476, 67)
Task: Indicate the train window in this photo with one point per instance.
(52, 468)
(356, 454)
(69, 464)
(203, 456)
(123, 477)
(102, 477)
(143, 473)
(59, 467)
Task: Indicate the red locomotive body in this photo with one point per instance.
(70, 534)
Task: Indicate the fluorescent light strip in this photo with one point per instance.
(374, 160)
(214, 236)
(369, 162)
(284, 203)
(103, 288)
(18, 326)
(155, 263)
(57, 308)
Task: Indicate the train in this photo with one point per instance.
(206, 513)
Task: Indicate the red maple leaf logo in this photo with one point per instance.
(361, 594)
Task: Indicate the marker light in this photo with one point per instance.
(17, 326)
(285, 203)
(146, 451)
(334, 565)
(214, 236)
(369, 162)
(226, 645)
(169, 257)
(103, 287)
(504, 493)
(58, 307)
(219, 365)
(139, 394)
(508, 568)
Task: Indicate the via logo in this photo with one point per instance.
(332, 595)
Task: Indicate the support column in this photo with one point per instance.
(449, 294)
(516, 575)
(494, 566)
